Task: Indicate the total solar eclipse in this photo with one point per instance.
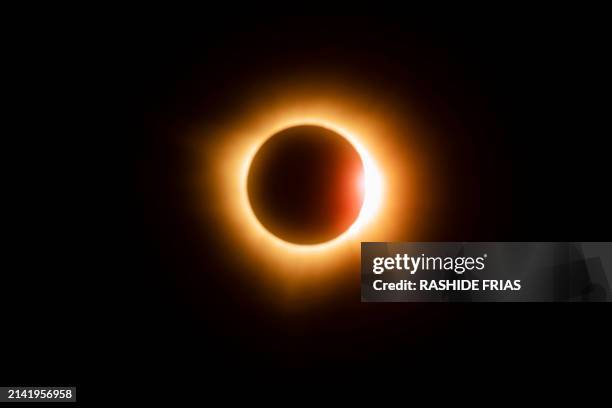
(306, 184)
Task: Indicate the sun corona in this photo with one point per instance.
(388, 176)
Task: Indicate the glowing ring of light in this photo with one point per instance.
(223, 151)
(372, 184)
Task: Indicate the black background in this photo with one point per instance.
(118, 281)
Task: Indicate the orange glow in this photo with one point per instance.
(391, 176)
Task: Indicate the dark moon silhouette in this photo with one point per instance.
(305, 184)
